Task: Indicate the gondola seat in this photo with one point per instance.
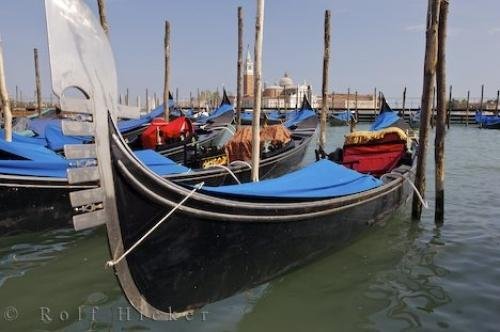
(376, 152)
(160, 131)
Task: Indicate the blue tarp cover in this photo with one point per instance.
(344, 116)
(323, 179)
(487, 120)
(41, 161)
(295, 117)
(159, 164)
(385, 120)
(39, 125)
(222, 109)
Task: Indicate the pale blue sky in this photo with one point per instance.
(375, 43)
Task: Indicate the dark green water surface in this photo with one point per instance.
(398, 276)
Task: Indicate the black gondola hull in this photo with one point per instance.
(210, 249)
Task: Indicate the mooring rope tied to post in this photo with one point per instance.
(136, 244)
(425, 204)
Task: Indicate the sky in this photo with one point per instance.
(374, 44)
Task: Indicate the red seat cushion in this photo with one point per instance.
(160, 131)
(375, 159)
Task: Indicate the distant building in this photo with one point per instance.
(286, 94)
(248, 78)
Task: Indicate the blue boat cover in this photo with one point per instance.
(39, 125)
(344, 116)
(323, 179)
(222, 109)
(128, 125)
(295, 117)
(40, 161)
(159, 164)
(385, 120)
(487, 120)
(24, 139)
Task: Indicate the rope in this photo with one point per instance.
(424, 203)
(125, 254)
(241, 162)
(228, 170)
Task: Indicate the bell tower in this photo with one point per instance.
(248, 78)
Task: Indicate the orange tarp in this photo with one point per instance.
(240, 145)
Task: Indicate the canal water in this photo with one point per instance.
(398, 276)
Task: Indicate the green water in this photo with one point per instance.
(398, 276)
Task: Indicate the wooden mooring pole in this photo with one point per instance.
(259, 36)
(403, 106)
(482, 99)
(433, 116)
(239, 70)
(441, 116)
(374, 103)
(166, 84)
(467, 107)
(101, 4)
(324, 88)
(4, 99)
(496, 103)
(450, 104)
(426, 112)
(38, 82)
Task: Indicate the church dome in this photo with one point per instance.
(286, 81)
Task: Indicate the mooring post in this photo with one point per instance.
(450, 103)
(374, 103)
(16, 102)
(356, 109)
(101, 4)
(496, 103)
(38, 84)
(482, 99)
(127, 97)
(4, 99)
(403, 105)
(176, 96)
(467, 108)
(351, 118)
(426, 112)
(166, 87)
(333, 101)
(139, 102)
(324, 87)
(147, 101)
(441, 116)
(239, 69)
(259, 35)
(433, 116)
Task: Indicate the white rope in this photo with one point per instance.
(116, 261)
(226, 169)
(241, 162)
(425, 204)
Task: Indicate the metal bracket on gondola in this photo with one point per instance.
(80, 151)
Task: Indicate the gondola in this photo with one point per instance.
(487, 121)
(340, 119)
(48, 196)
(176, 248)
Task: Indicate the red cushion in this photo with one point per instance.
(375, 159)
(160, 130)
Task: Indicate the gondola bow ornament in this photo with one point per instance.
(81, 58)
